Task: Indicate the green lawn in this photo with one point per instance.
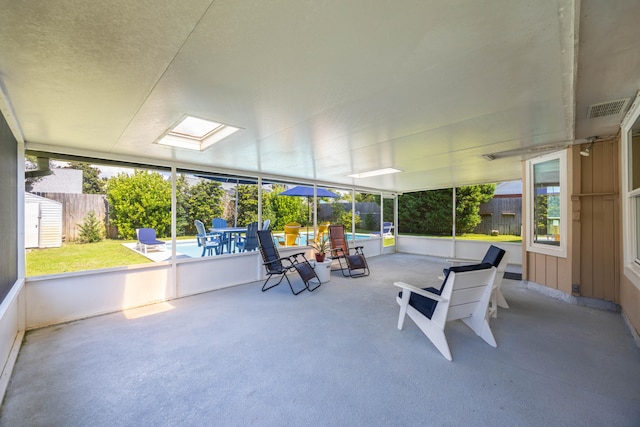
(111, 253)
(79, 257)
(484, 237)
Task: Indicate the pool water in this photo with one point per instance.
(191, 249)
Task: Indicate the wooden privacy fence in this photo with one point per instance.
(76, 207)
(503, 214)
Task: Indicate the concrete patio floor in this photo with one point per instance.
(238, 357)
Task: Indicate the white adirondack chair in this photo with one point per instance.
(465, 296)
(497, 298)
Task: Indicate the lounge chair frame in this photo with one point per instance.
(276, 265)
(354, 259)
(147, 240)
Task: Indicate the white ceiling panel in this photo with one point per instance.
(321, 90)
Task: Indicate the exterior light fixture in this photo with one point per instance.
(377, 172)
(587, 150)
(194, 133)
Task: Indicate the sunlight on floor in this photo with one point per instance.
(148, 310)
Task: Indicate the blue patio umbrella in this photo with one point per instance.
(307, 192)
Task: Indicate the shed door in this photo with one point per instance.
(32, 225)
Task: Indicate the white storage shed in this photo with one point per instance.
(42, 222)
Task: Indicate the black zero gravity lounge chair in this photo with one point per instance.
(280, 266)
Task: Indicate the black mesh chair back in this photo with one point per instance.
(276, 265)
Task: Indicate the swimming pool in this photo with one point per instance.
(191, 249)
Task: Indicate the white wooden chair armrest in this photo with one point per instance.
(462, 261)
(419, 291)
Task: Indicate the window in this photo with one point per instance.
(631, 197)
(226, 203)
(104, 206)
(547, 204)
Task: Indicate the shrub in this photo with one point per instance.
(370, 222)
(141, 200)
(91, 230)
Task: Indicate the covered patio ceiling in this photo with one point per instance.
(321, 90)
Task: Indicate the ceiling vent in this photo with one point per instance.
(610, 108)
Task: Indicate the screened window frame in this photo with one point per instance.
(541, 248)
(630, 196)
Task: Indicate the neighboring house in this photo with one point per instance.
(60, 181)
(42, 222)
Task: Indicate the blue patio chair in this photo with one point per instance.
(219, 223)
(280, 266)
(222, 223)
(266, 224)
(209, 242)
(248, 242)
(147, 240)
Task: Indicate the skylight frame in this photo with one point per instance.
(377, 172)
(215, 132)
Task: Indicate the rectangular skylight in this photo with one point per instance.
(377, 172)
(193, 127)
(195, 133)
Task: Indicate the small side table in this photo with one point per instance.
(323, 270)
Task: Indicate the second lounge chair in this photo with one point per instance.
(355, 262)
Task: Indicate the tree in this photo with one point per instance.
(247, 203)
(91, 181)
(286, 208)
(426, 212)
(267, 207)
(430, 212)
(206, 201)
(91, 230)
(468, 201)
(184, 224)
(141, 200)
(366, 197)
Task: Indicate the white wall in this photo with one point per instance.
(448, 248)
(202, 275)
(12, 327)
(60, 298)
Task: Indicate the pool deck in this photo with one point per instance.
(157, 255)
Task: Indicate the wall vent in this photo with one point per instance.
(610, 108)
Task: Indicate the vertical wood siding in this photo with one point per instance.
(600, 223)
(595, 244)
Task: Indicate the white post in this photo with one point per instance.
(453, 214)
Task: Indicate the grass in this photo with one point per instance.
(78, 257)
(111, 253)
(483, 237)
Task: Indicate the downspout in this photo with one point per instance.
(42, 168)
